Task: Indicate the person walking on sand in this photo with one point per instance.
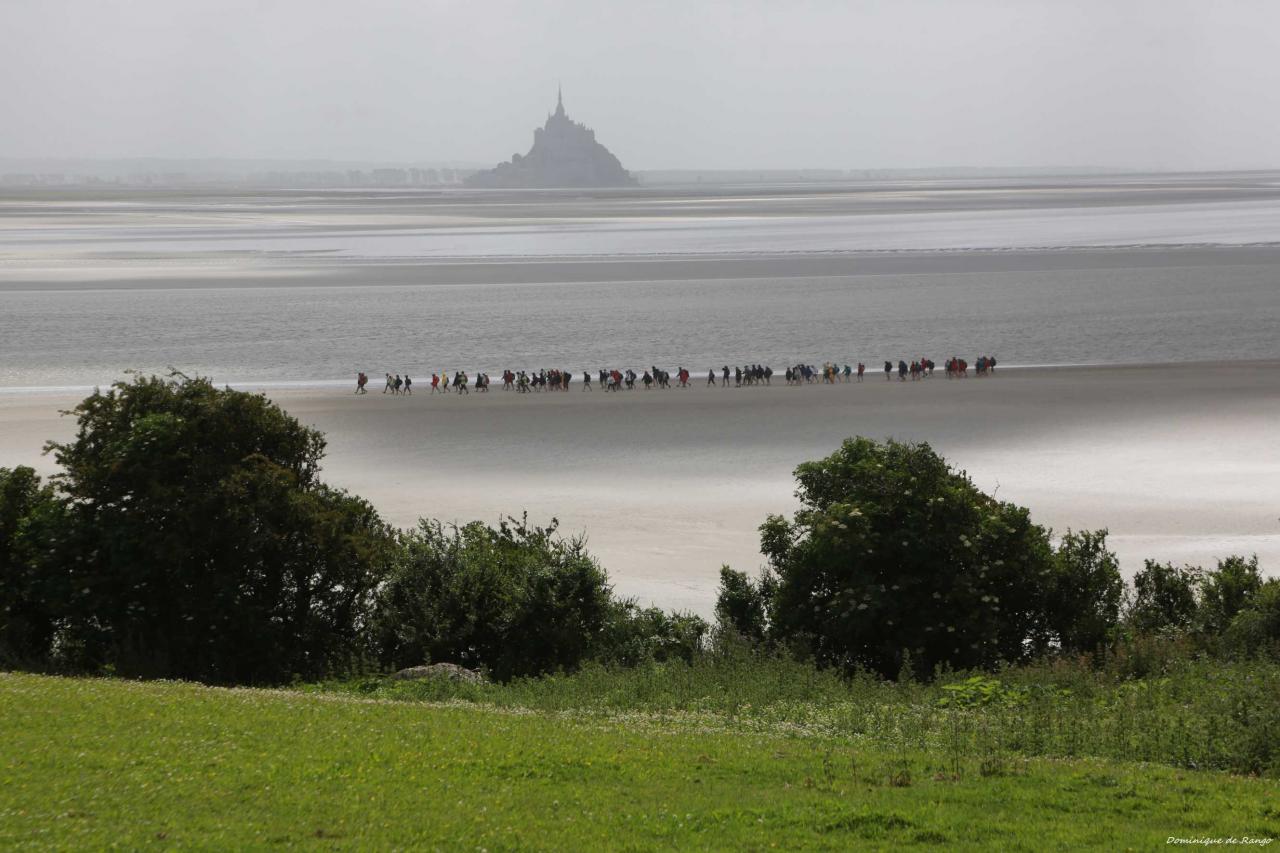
(408, 385)
(862, 368)
(390, 386)
(586, 380)
(361, 381)
(435, 383)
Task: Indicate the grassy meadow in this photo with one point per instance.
(618, 761)
(1191, 713)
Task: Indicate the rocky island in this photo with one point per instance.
(565, 153)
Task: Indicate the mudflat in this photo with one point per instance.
(1178, 461)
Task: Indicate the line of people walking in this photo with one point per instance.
(527, 382)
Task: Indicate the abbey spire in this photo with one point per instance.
(565, 153)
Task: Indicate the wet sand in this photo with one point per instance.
(88, 238)
(1179, 461)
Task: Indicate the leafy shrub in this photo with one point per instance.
(1087, 591)
(742, 605)
(981, 691)
(515, 600)
(30, 518)
(635, 635)
(1165, 597)
(1136, 655)
(200, 544)
(892, 551)
(1257, 627)
(1226, 590)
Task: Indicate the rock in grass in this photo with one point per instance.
(451, 671)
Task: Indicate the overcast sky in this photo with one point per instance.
(687, 84)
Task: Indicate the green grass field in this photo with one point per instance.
(92, 764)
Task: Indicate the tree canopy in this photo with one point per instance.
(199, 543)
(895, 559)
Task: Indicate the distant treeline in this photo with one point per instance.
(819, 176)
(169, 172)
(188, 535)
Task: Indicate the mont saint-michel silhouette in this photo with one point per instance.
(565, 153)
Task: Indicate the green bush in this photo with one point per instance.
(30, 523)
(981, 691)
(514, 600)
(742, 605)
(1256, 628)
(200, 544)
(1226, 590)
(634, 635)
(893, 553)
(1165, 598)
(1087, 591)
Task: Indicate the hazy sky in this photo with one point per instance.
(898, 83)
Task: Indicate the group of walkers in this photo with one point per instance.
(440, 383)
(616, 380)
(959, 368)
(830, 373)
(955, 367)
(916, 369)
(461, 383)
(526, 382)
(396, 384)
(548, 380)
